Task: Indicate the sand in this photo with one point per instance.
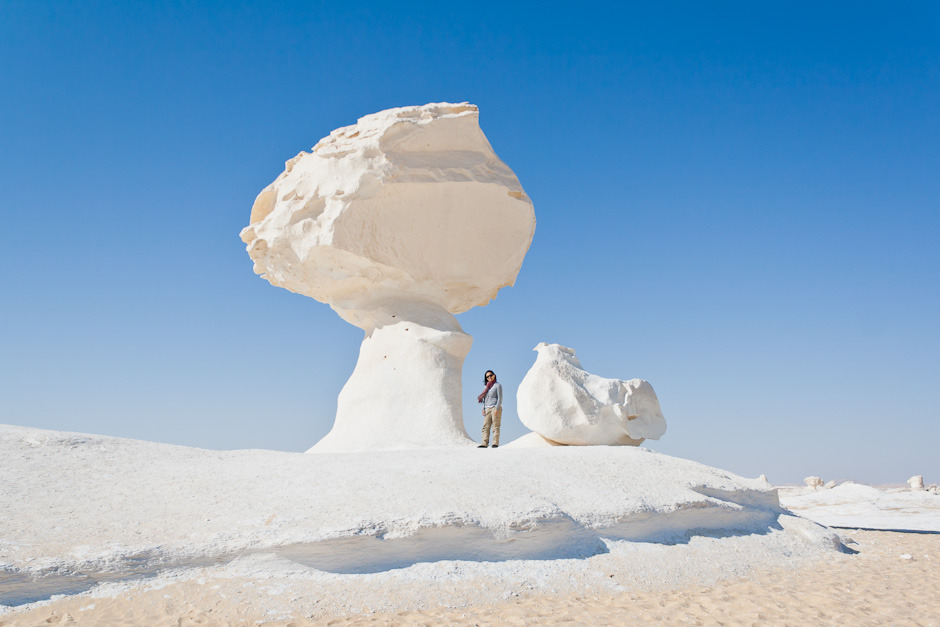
(894, 579)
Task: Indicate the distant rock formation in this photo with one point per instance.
(397, 222)
(561, 402)
(917, 483)
(813, 482)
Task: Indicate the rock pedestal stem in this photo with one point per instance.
(406, 388)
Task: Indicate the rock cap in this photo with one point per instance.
(410, 202)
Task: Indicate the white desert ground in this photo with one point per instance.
(99, 530)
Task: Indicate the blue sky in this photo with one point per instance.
(738, 202)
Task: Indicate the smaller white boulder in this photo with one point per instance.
(561, 402)
(813, 482)
(917, 483)
(763, 478)
(830, 484)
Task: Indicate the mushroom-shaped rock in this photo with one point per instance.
(397, 222)
(561, 402)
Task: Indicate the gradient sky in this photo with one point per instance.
(737, 201)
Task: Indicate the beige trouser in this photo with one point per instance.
(491, 416)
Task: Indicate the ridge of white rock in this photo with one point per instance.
(561, 402)
(397, 222)
(857, 505)
(82, 508)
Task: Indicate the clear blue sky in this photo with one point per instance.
(737, 201)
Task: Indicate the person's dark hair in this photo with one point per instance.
(489, 372)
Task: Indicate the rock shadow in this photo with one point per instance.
(546, 539)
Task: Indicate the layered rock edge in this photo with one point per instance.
(132, 508)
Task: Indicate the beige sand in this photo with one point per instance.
(874, 587)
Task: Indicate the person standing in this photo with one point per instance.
(492, 399)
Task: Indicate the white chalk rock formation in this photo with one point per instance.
(813, 482)
(561, 402)
(917, 483)
(531, 440)
(397, 222)
(830, 484)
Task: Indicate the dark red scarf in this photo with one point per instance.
(488, 386)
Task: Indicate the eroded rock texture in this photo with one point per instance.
(561, 402)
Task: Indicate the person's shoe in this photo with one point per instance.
(482, 446)
(496, 446)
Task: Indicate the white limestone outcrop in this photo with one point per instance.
(857, 505)
(813, 482)
(917, 483)
(397, 222)
(137, 509)
(561, 402)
